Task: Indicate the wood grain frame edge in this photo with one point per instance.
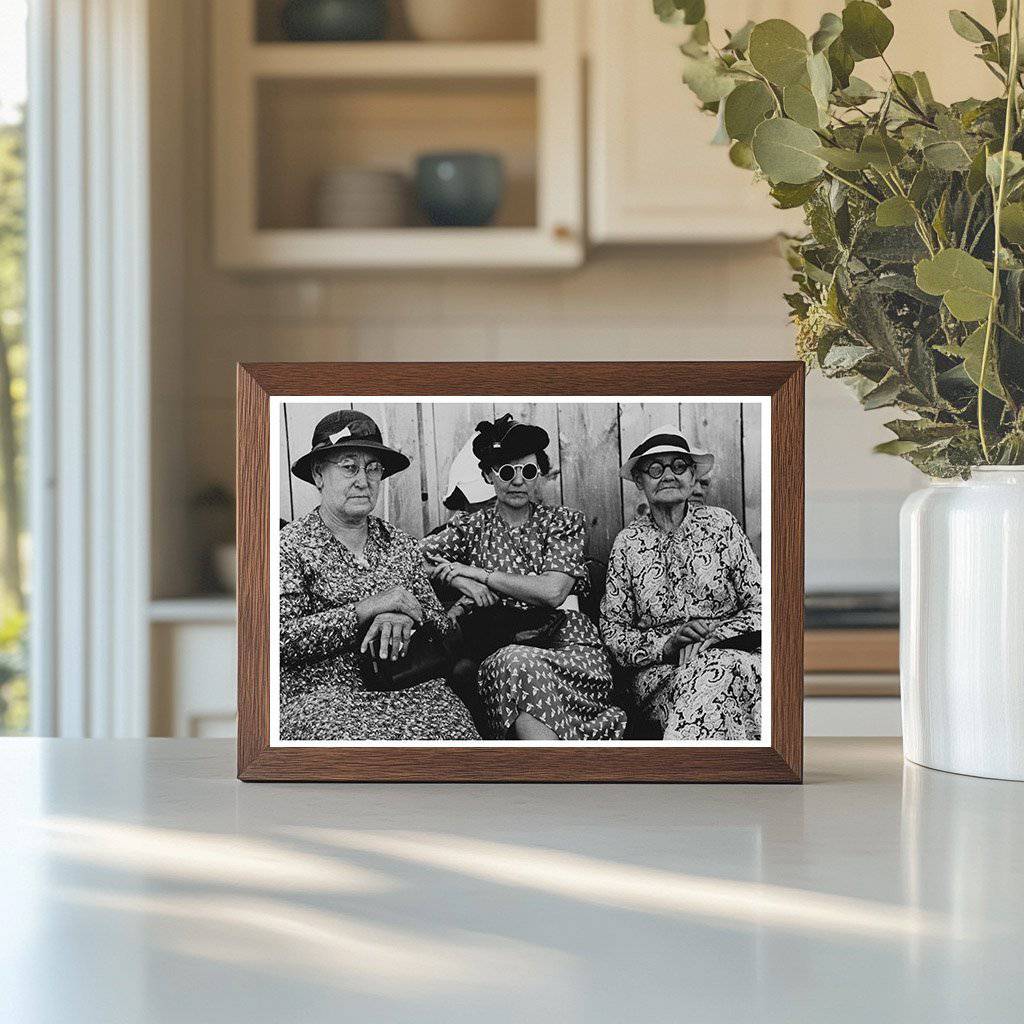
(782, 762)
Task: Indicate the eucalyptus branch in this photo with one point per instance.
(909, 100)
(853, 185)
(1011, 109)
(769, 87)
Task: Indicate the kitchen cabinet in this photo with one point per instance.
(653, 175)
(287, 114)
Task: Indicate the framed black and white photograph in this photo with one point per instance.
(481, 577)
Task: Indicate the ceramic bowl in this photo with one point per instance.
(460, 189)
(470, 20)
(359, 197)
(333, 21)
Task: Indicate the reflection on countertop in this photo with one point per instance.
(142, 882)
(868, 609)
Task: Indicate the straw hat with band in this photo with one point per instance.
(344, 430)
(506, 439)
(667, 441)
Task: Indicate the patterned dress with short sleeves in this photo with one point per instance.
(322, 693)
(706, 571)
(567, 687)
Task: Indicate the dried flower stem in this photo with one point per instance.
(1011, 111)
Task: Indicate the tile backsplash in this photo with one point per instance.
(719, 302)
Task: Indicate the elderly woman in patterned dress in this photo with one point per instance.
(350, 582)
(523, 554)
(682, 577)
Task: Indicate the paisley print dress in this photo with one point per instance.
(568, 686)
(705, 570)
(322, 694)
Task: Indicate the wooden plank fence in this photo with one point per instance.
(589, 441)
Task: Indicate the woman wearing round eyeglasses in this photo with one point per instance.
(683, 577)
(349, 582)
(524, 554)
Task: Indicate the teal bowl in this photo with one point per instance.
(460, 189)
(334, 21)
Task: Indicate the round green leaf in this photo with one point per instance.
(858, 91)
(844, 159)
(779, 51)
(801, 106)
(883, 152)
(895, 212)
(840, 62)
(968, 28)
(741, 155)
(740, 39)
(788, 197)
(707, 79)
(947, 156)
(963, 281)
(1011, 226)
(745, 108)
(820, 76)
(896, 447)
(866, 29)
(829, 29)
(971, 351)
(786, 151)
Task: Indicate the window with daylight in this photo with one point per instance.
(14, 546)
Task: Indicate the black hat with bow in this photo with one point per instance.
(348, 429)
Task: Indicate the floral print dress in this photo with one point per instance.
(567, 687)
(705, 570)
(322, 694)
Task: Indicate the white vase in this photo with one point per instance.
(962, 624)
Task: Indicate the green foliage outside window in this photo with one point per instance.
(13, 413)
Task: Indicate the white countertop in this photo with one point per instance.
(140, 882)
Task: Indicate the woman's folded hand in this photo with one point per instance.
(449, 572)
(482, 596)
(690, 651)
(682, 636)
(391, 632)
(398, 600)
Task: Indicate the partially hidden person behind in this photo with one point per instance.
(521, 557)
(351, 583)
(682, 608)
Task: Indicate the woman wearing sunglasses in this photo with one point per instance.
(349, 583)
(683, 578)
(525, 555)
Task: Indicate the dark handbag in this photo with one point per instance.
(430, 655)
(749, 642)
(486, 630)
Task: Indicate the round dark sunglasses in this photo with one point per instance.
(656, 470)
(508, 472)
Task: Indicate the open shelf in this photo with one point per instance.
(286, 114)
(309, 127)
(393, 60)
(519, 24)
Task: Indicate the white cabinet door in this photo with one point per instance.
(654, 177)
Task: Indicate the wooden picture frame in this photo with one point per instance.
(779, 759)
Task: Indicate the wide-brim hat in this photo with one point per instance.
(465, 476)
(667, 440)
(506, 439)
(348, 428)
